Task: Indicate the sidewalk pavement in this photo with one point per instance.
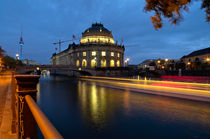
(6, 114)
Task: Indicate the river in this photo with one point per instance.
(80, 109)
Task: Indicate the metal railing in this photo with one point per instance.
(46, 127)
(29, 115)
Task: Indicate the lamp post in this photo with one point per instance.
(127, 61)
(17, 57)
(166, 63)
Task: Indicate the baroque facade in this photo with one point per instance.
(97, 48)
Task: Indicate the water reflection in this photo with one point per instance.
(99, 105)
(81, 109)
(92, 102)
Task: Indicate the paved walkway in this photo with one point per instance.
(6, 115)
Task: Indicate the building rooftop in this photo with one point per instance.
(97, 29)
(97, 33)
(198, 52)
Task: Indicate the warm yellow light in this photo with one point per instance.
(166, 60)
(93, 63)
(97, 39)
(118, 54)
(162, 67)
(103, 53)
(77, 63)
(118, 63)
(188, 63)
(93, 53)
(103, 63)
(112, 53)
(84, 62)
(207, 59)
(111, 63)
(84, 53)
(158, 61)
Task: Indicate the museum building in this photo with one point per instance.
(97, 48)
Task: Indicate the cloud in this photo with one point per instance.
(45, 22)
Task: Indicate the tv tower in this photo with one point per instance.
(21, 45)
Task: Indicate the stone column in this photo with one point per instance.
(26, 124)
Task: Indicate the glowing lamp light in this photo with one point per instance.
(166, 60)
(158, 61)
(188, 63)
(207, 59)
(17, 56)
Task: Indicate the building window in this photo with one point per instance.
(112, 53)
(118, 63)
(84, 53)
(84, 62)
(112, 63)
(103, 63)
(103, 53)
(93, 53)
(78, 54)
(77, 63)
(118, 54)
(93, 63)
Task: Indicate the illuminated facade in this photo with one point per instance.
(202, 55)
(97, 48)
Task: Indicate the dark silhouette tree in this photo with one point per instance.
(172, 9)
(9, 62)
(1, 52)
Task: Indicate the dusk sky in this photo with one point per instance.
(47, 21)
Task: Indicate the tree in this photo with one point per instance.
(1, 52)
(172, 10)
(9, 62)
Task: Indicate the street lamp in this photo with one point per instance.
(17, 57)
(166, 60)
(126, 61)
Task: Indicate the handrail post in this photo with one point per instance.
(26, 124)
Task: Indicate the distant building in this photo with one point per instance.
(29, 62)
(146, 63)
(202, 55)
(97, 48)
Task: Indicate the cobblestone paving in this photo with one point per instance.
(4, 84)
(6, 117)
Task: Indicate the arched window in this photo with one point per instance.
(103, 63)
(93, 63)
(77, 63)
(84, 62)
(118, 63)
(112, 63)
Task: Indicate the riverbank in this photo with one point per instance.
(7, 114)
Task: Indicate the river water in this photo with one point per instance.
(80, 109)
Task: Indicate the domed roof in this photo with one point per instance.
(97, 29)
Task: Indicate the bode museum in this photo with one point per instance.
(97, 49)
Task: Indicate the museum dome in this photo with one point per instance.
(97, 33)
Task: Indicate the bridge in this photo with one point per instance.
(56, 69)
(75, 71)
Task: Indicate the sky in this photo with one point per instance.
(46, 21)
